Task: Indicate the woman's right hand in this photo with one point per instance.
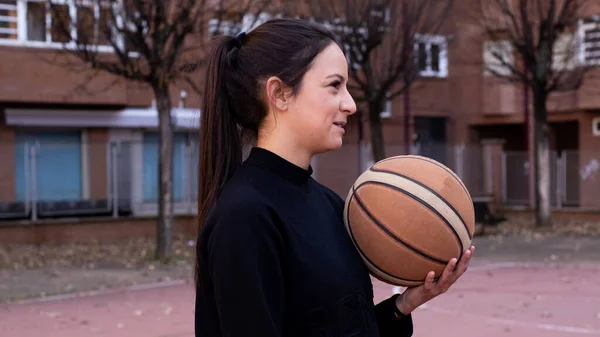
(414, 297)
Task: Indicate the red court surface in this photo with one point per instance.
(501, 299)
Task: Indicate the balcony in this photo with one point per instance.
(38, 24)
(501, 97)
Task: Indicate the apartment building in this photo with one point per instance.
(80, 151)
(504, 122)
(482, 126)
(80, 144)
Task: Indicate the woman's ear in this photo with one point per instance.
(277, 94)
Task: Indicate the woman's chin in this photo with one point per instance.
(336, 144)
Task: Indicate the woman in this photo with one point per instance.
(274, 258)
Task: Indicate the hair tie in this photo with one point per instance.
(240, 39)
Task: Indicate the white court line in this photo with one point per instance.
(542, 326)
(93, 293)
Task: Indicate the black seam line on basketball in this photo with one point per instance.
(422, 202)
(436, 194)
(360, 251)
(387, 231)
(454, 175)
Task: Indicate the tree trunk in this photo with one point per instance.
(407, 133)
(542, 160)
(164, 224)
(361, 142)
(377, 144)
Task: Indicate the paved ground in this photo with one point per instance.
(499, 299)
(516, 286)
(22, 284)
(538, 248)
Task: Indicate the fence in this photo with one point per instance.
(68, 175)
(505, 177)
(574, 179)
(50, 178)
(339, 169)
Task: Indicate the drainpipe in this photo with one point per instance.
(407, 44)
(527, 126)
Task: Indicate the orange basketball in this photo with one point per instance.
(408, 215)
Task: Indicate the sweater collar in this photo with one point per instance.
(276, 164)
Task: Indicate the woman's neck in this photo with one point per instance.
(283, 148)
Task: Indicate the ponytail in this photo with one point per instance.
(220, 141)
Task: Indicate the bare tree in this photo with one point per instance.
(382, 40)
(155, 43)
(536, 43)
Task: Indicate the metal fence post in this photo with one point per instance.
(503, 177)
(33, 172)
(27, 177)
(559, 168)
(489, 181)
(114, 179)
(188, 186)
(459, 157)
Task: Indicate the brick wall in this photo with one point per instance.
(87, 230)
(7, 169)
(97, 157)
(37, 76)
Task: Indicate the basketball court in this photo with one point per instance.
(514, 299)
(493, 299)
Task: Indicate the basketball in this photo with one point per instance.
(409, 215)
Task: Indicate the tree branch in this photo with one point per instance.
(378, 37)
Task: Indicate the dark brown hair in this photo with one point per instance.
(237, 68)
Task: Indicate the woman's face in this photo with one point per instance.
(316, 117)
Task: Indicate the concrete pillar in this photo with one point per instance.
(493, 168)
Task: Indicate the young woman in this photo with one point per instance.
(274, 258)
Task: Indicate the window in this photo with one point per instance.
(431, 55)
(353, 39)
(185, 168)
(356, 48)
(8, 19)
(565, 52)
(589, 35)
(49, 165)
(498, 56)
(229, 25)
(41, 24)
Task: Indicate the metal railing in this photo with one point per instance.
(574, 179)
(74, 177)
(46, 179)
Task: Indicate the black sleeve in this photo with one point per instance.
(243, 261)
(389, 324)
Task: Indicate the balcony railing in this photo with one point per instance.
(35, 23)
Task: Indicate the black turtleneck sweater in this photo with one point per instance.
(275, 260)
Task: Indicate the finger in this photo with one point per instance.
(465, 258)
(447, 273)
(464, 263)
(429, 284)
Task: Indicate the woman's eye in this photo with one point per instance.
(335, 84)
